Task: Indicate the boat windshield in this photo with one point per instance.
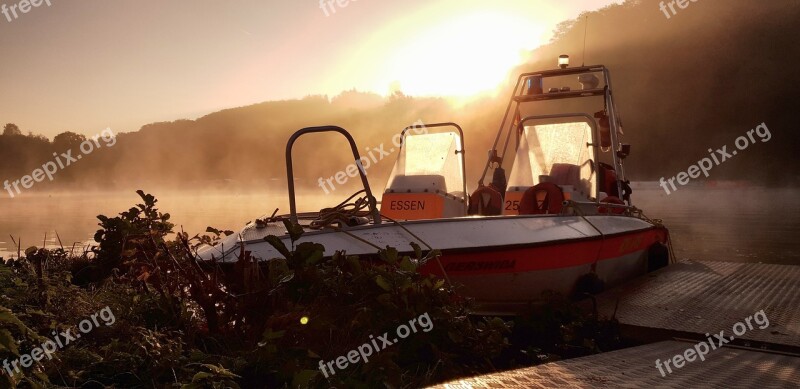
(427, 163)
(555, 152)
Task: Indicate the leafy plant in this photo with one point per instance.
(118, 236)
(346, 299)
(186, 323)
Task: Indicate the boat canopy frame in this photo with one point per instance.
(518, 96)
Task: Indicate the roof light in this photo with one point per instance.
(534, 85)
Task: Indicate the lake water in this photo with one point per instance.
(734, 224)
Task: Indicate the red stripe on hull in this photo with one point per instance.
(557, 255)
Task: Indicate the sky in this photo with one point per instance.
(87, 65)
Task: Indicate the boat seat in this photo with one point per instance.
(417, 183)
(566, 174)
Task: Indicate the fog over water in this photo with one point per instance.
(731, 224)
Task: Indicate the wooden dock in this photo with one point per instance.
(692, 298)
(673, 310)
(635, 368)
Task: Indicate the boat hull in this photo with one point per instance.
(505, 263)
(509, 280)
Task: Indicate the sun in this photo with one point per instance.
(464, 55)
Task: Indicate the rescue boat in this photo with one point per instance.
(556, 216)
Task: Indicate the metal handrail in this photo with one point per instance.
(373, 206)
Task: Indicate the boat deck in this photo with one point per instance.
(691, 301)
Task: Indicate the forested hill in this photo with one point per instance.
(684, 84)
(698, 80)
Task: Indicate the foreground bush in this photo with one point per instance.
(185, 323)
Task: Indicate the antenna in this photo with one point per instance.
(585, 28)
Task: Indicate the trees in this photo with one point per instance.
(11, 129)
(67, 140)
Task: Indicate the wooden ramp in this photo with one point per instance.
(635, 368)
(674, 309)
(692, 298)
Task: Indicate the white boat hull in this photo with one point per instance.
(504, 263)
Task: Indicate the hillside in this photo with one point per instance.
(685, 84)
(697, 80)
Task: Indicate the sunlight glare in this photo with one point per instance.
(463, 56)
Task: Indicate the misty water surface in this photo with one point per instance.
(745, 225)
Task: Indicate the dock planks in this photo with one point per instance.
(686, 300)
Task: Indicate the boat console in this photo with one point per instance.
(428, 180)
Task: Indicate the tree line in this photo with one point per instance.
(683, 85)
